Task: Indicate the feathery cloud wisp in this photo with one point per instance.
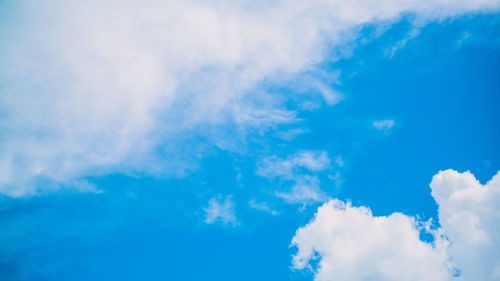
(221, 210)
(111, 84)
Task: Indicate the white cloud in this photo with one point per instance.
(262, 206)
(402, 43)
(352, 244)
(299, 171)
(469, 214)
(221, 210)
(305, 190)
(355, 245)
(383, 124)
(110, 83)
(273, 167)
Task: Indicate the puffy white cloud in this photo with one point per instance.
(469, 214)
(221, 210)
(383, 124)
(352, 244)
(93, 87)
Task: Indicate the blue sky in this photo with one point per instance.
(203, 157)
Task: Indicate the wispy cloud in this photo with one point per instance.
(298, 172)
(305, 190)
(262, 206)
(221, 210)
(383, 124)
(348, 238)
(272, 167)
(111, 83)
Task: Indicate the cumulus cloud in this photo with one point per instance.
(221, 210)
(94, 87)
(352, 244)
(469, 214)
(355, 245)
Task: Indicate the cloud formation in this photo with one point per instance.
(115, 86)
(469, 214)
(221, 210)
(383, 124)
(300, 172)
(262, 206)
(352, 244)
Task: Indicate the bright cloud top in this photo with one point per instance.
(469, 214)
(287, 168)
(262, 206)
(113, 85)
(352, 244)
